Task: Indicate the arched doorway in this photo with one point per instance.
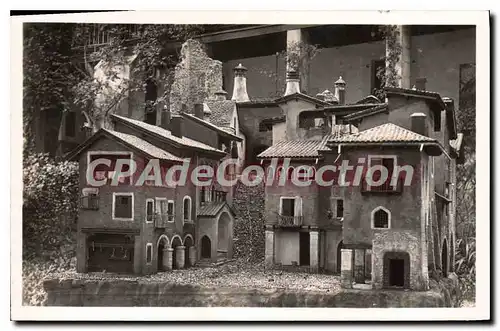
(176, 241)
(206, 248)
(339, 256)
(162, 244)
(188, 243)
(223, 235)
(444, 258)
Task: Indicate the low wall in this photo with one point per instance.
(135, 293)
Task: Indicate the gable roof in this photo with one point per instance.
(221, 112)
(128, 140)
(295, 149)
(387, 132)
(212, 126)
(167, 136)
(302, 96)
(367, 112)
(212, 209)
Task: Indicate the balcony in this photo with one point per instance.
(385, 188)
(289, 221)
(162, 220)
(89, 202)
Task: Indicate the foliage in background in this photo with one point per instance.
(388, 74)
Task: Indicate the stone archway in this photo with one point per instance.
(162, 258)
(224, 236)
(444, 258)
(177, 259)
(189, 251)
(206, 247)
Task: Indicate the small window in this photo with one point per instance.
(150, 207)
(437, 122)
(340, 208)
(264, 127)
(187, 209)
(123, 206)
(388, 163)
(170, 211)
(70, 124)
(288, 207)
(380, 218)
(378, 71)
(149, 253)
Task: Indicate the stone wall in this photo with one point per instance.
(146, 294)
(196, 77)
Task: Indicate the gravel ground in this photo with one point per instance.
(233, 274)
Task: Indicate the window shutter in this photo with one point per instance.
(298, 206)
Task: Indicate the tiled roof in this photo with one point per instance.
(221, 112)
(143, 146)
(295, 149)
(211, 126)
(302, 96)
(416, 93)
(384, 133)
(211, 208)
(184, 141)
(366, 112)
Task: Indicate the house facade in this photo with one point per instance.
(389, 234)
(146, 221)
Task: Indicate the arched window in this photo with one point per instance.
(381, 218)
(186, 209)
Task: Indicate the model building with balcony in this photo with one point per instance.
(392, 234)
(133, 224)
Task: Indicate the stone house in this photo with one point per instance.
(389, 235)
(142, 226)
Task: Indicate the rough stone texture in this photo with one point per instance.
(161, 294)
(192, 255)
(314, 250)
(359, 265)
(398, 241)
(197, 77)
(180, 256)
(269, 253)
(346, 268)
(168, 258)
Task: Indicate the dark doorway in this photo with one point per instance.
(206, 248)
(304, 247)
(339, 256)
(111, 253)
(160, 257)
(396, 272)
(396, 269)
(444, 258)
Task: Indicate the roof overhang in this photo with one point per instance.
(431, 148)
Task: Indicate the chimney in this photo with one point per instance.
(420, 84)
(240, 84)
(419, 123)
(340, 90)
(220, 95)
(292, 82)
(165, 118)
(320, 96)
(198, 110)
(449, 103)
(177, 125)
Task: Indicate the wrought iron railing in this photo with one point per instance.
(285, 220)
(384, 188)
(90, 202)
(162, 220)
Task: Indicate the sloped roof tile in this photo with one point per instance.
(295, 149)
(221, 112)
(384, 133)
(184, 141)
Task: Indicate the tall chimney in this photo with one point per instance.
(240, 84)
(340, 90)
(292, 82)
(420, 84)
(165, 118)
(177, 125)
(449, 103)
(419, 123)
(198, 110)
(220, 95)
